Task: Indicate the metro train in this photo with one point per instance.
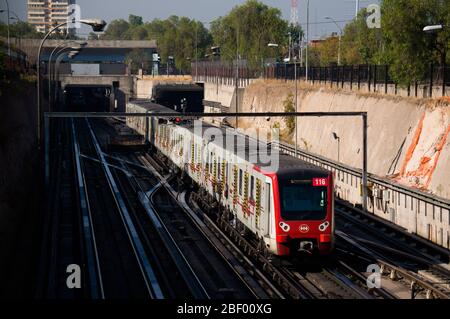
(289, 210)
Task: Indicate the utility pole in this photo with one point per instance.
(307, 38)
(196, 52)
(237, 76)
(7, 23)
(296, 104)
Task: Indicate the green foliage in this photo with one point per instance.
(135, 20)
(288, 106)
(326, 53)
(400, 42)
(20, 30)
(247, 30)
(360, 44)
(117, 30)
(408, 49)
(296, 33)
(2, 70)
(138, 59)
(176, 36)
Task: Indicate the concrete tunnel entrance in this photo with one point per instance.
(180, 97)
(89, 98)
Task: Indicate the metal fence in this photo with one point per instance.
(223, 72)
(373, 77)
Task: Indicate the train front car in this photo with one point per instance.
(305, 214)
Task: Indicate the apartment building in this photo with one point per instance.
(44, 14)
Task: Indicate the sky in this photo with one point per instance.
(207, 10)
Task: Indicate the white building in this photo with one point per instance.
(44, 14)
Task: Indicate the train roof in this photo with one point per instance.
(288, 164)
(241, 146)
(150, 106)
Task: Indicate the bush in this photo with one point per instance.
(289, 108)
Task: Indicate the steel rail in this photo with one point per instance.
(186, 271)
(143, 262)
(295, 290)
(386, 264)
(218, 234)
(93, 262)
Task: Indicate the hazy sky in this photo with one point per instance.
(206, 10)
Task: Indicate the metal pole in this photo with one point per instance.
(307, 38)
(38, 69)
(7, 23)
(49, 71)
(364, 171)
(290, 45)
(237, 76)
(357, 8)
(296, 96)
(47, 152)
(339, 149)
(339, 50)
(196, 52)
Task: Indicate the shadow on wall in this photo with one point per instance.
(19, 193)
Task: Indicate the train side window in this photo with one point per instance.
(252, 187)
(268, 199)
(218, 168)
(240, 182)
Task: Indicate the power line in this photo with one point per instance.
(327, 22)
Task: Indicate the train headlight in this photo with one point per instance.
(285, 227)
(324, 226)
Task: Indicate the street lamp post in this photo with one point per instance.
(7, 23)
(337, 137)
(49, 68)
(340, 38)
(237, 76)
(434, 29)
(307, 39)
(96, 24)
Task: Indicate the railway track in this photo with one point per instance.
(197, 245)
(344, 277)
(193, 260)
(423, 270)
(327, 283)
(117, 266)
(423, 266)
(62, 226)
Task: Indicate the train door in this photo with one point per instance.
(269, 210)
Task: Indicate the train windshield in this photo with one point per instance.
(302, 201)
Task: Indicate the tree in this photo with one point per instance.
(247, 30)
(138, 59)
(327, 52)
(135, 20)
(408, 49)
(116, 30)
(360, 44)
(288, 106)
